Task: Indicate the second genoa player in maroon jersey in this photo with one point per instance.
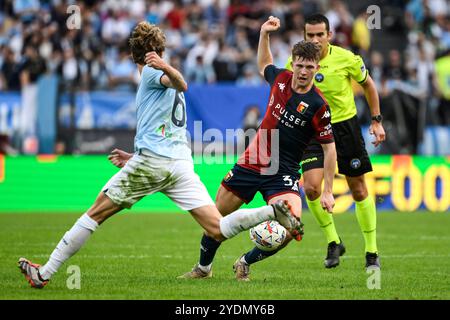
(297, 116)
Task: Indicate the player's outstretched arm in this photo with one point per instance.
(376, 128)
(329, 165)
(264, 55)
(172, 78)
(119, 157)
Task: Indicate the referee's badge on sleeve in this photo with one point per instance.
(319, 77)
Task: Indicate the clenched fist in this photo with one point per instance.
(271, 25)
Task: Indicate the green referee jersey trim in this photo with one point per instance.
(334, 80)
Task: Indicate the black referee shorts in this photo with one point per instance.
(352, 156)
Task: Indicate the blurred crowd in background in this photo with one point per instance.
(214, 41)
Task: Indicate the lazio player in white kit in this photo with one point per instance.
(161, 163)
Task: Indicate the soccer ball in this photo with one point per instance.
(268, 235)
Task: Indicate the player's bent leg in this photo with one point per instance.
(312, 185)
(116, 194)
(209, 218)
(295, 207)
(222, 228)
(358, 187)
(190, 194)
(226, 203)
(240, 186)
(103, 208)
(366, 215)
(241, 267)
(71, 242)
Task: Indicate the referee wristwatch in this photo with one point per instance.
(378, 118)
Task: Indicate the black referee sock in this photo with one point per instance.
(208, 248)
(257, 254)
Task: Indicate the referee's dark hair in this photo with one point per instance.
(306, 50)
(318, 18)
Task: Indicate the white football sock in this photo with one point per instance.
(244, 219)
(205, 269)
(71, 242)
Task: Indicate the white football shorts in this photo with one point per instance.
(147, 174)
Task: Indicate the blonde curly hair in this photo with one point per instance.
(146, 37)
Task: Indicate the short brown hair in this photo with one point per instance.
(306, 50)
(146, 37)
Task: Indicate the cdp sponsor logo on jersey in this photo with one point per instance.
(328, 131)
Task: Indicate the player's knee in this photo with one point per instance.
(215, 233)
(359, 194)
(97, 216)
(100, 216)
(222, 207)
(312, 191)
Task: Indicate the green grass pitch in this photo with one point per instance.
(139, 256)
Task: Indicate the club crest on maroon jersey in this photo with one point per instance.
(302, 106)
